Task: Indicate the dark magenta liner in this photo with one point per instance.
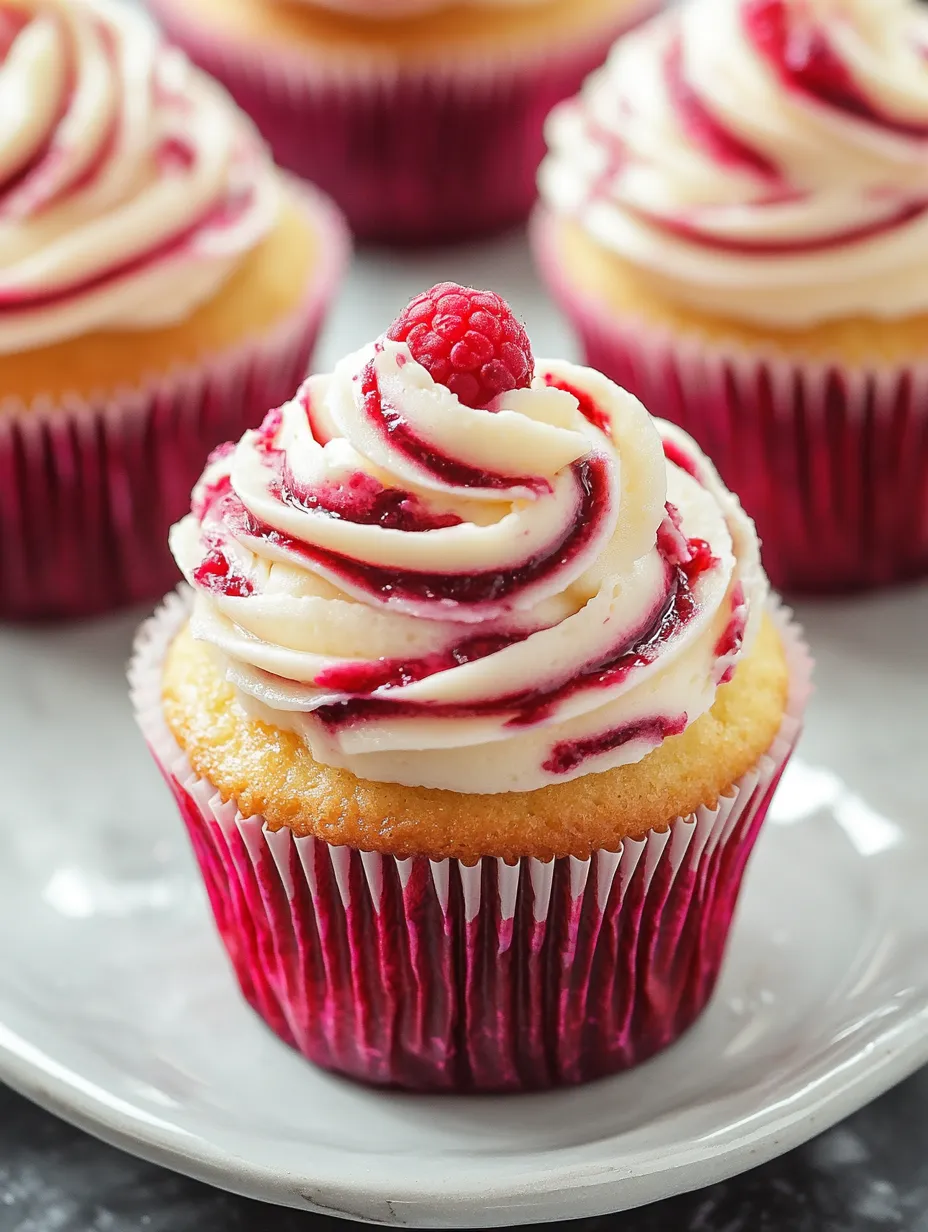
(413, 157)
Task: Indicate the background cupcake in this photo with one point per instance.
(472, 761)
(159, 283)
(422, 119)
(737, 223)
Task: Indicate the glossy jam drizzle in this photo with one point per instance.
(220, 217)
(12, 23)
(798, 50)
(732, 639)
(357, 497)
(567, 755)
(365, 678)
(387, 585)
(806, 62)
(217, 573)
(391, 425)
(209, 497)
(905, 214)
(702, 127)
(315, 426)
(365, 501)
(588, 406)
(531, 707)
(673, 453)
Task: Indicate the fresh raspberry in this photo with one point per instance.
(468, 340)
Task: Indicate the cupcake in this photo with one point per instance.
(473, 709)
(736, 220)
(422, 118)
(160, 286)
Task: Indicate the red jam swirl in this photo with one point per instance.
(587, 404)
(115, 132)
(679, 457)
(705, 130)
(392, 426)
(218, 574)
(795, 43)
(357, 497)
(532, 707)
(732, 640)
(362, 679)
(567, 755)
(612, 607)
(387, 585)
(807, 63)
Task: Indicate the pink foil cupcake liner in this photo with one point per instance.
(90, 487)
(435, 976)
(831, 463)
(418, 156)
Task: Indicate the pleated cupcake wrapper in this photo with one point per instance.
(831, 463)
(432, 975)
(89, 486)
(413, 154)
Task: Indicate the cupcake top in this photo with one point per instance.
(447, 564)
(130, 184)
(767, 159)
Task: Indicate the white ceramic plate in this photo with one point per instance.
(118, 1010)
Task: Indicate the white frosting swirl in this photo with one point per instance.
(130, 185)
(767, 158)
(373, 580)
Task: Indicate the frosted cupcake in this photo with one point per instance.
(736, 222)
(422, 118)
(472, 758)
(160, 285)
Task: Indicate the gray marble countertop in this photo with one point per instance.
(868, 1174)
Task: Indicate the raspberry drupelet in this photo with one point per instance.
(468, 340)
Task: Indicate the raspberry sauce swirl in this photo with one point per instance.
(766, 159)
(130, 185)
(477, 599)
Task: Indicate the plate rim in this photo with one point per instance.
(877, 1064)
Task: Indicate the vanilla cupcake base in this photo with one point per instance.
(440, 975)
(823, 434)
(92, 478)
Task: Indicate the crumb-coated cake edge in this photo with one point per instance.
(270, 772)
